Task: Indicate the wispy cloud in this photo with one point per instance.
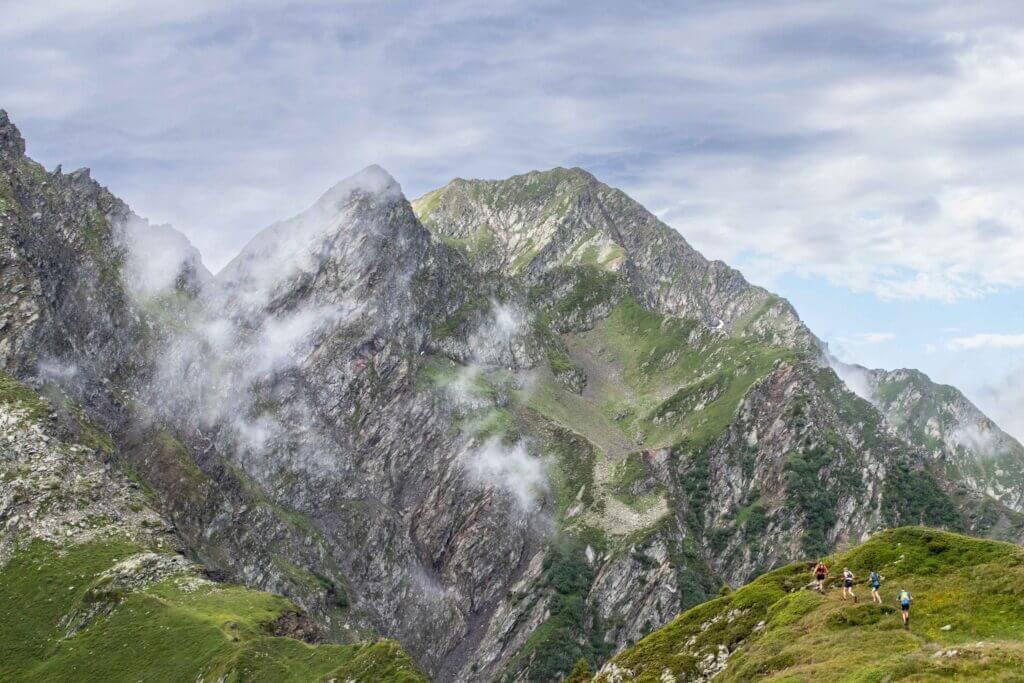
(875, 337)
(986, 341)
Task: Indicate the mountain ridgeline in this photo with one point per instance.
(511, 425)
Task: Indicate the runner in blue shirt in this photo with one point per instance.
(876, 583)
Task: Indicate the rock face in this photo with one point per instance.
(981, 458)
(513, 424)
(982, 463)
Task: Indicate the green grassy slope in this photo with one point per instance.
(967, 620)
(675, 387)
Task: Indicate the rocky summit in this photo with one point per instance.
(505, 431)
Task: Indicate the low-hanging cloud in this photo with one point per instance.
(980, 439)
(1004, 402)
(226, 341)
(858, 379)
(157, 255)
(884, 158)
(510, 467)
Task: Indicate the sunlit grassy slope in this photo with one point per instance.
(967, 620)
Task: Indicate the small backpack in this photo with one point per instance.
(904, 598)
(875, 578)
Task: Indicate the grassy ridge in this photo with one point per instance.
(967, 620)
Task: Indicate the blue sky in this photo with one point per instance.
(862, 159)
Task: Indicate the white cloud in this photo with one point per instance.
(511, 468)
(157, 257)
(876, 337)
(989, 341)
(857, 379)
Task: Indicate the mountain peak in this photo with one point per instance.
(368, 205)
(10, 136)
(372, 181)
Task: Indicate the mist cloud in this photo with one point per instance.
(157, 257)
(876, 145)
(857, 379)
(1004, 402)
(511, 468)
(479, 391)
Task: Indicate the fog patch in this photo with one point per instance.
(500, 340)
(981, 440)
(57, 372)
(288, 248)
(509, 320)
(429, 588)
(481, 391)
(467, 389)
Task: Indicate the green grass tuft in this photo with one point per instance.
(14, 393)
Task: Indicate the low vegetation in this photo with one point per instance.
(684, 385)
(557, 645)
